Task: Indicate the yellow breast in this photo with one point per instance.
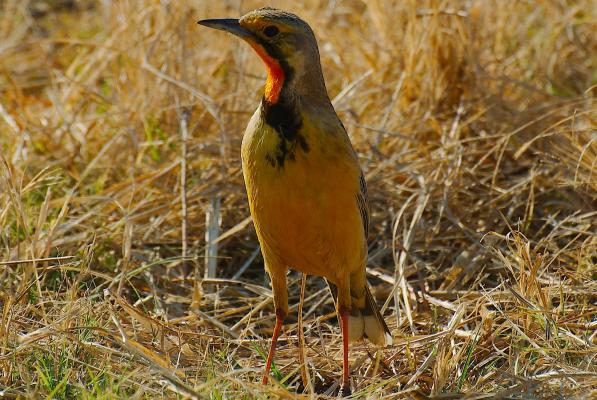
(305, 209)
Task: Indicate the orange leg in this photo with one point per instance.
(345, 388)
(272, 348)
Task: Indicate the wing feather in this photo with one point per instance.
(361, 197)
(363, 203)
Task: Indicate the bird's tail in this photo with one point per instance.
(366, 322)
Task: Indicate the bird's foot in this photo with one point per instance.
(344, 390)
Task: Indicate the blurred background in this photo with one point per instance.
(129, 266)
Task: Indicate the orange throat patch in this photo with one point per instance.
(275, 74)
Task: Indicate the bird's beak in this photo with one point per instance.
(228, 25)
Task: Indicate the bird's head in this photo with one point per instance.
(285, 43)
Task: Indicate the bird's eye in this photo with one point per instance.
(271, 31)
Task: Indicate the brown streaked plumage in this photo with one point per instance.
(307, 194)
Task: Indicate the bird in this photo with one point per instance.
(306, 191)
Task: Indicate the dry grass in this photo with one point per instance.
(476, 125)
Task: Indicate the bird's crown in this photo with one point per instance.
(258, 20)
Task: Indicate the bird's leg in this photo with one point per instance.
(345, 388)
(272, 349)
(280, 292)
(344, 308)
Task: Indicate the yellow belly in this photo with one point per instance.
(305, 212)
